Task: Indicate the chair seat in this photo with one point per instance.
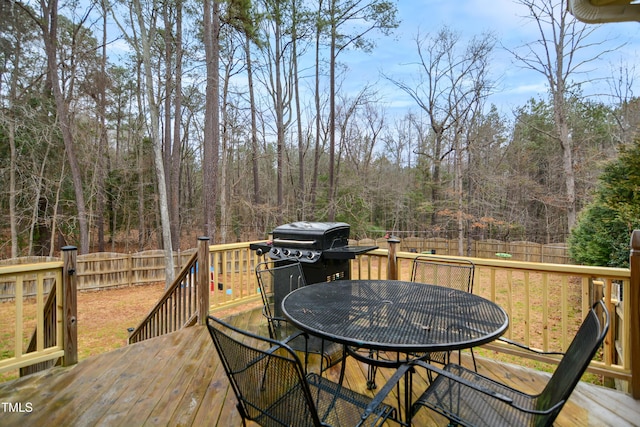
(275, 282)
(459, 402)
(336, 405)
(273, 388)
(330, 352)
(470, 399)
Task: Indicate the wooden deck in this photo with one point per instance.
(177, 380)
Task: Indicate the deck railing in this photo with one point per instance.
(545, 302)
(44, 328)
(184, 303)
(220, 275)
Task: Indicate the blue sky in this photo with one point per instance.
(510, 24)
(508, 21)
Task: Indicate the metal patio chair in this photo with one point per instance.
(273, 389)
(453, 273)
(470, 399)
(275, 282)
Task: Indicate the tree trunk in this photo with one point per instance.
(154, 119)
(13, 218)
(103, 151)
(279, 114)
(332, 115)
(460, 214)
(211, 143)
(13, 214)
(564, 137)
(142, 217)
(54, 214)
(176, 151)
(301, 194)
(50, 35)
(257, 198)
(316, 151)
(224, 160)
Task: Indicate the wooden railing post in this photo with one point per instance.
(69, 306)
(203, 280)
(392, 262)
(634, 315)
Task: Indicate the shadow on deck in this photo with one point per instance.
(177, 380)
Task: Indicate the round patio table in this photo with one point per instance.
(395, 316)
(391, 315)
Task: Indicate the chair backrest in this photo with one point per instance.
(275, 282)
(448, 272)
(574, 362)
(262, 372)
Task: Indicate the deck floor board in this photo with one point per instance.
(177, 380)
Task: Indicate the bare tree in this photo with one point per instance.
(211, 143)
(10, 19)
(48, 24)
(173, 108)
(621, 85)
(373, 15)
(257, 199)
(557, 56)
(450, 86)
(279, 82)
(146, 36)
(103, 151)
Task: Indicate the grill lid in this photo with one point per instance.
(311, 241)
(312, 235)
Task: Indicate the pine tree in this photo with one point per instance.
(601, 236)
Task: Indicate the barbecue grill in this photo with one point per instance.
(321, 247)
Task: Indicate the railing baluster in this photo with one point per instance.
(545, 312)
(634, 316)
(564, 295)
(527, 309)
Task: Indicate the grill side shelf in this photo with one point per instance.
(346, 252)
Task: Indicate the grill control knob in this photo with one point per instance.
(309, 255)
(286, 252)
(275, 251)
(297, 254)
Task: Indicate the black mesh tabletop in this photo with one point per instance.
(395, 315)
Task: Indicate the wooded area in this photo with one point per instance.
(141, 124)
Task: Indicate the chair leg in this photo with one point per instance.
(242, 415)
(371, 377)
(372, 371)
(343, 368)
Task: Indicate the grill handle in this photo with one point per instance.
(294, 242)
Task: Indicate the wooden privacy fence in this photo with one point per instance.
(112, 270)
(101, 270)
(555, 253)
